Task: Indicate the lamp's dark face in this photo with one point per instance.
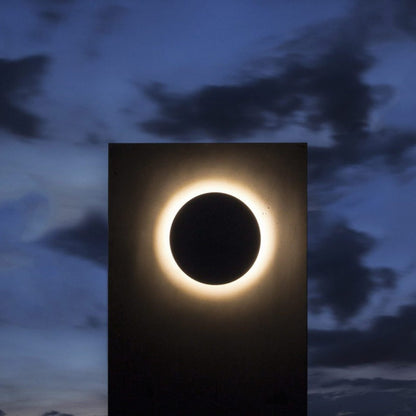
(207, 279)
(215, 238)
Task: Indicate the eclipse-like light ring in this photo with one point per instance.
(164, 221)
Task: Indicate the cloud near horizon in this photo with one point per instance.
(55, 413)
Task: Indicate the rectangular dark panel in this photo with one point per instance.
(180, 347)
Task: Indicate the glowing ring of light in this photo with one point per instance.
(162, 243)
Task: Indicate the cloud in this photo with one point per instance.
(336, 265)
(390, 339)
(2, 413)
(55, 413)
(317, 81)
(51, 16)
(87, 239)
(43, 288)
(93, 322)
(53, 12)
(46, 281)
(377, 383)
(95, 139)
(328, 90)
(390, 146)
(386, 19)
(367, 404)
(223, 111)
(405, 16)
(20, 79)
(20, 218)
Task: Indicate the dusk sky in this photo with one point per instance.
(76, 75)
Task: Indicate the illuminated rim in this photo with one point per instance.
(162, 244)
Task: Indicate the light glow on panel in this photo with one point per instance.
(268, 238)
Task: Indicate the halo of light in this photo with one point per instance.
(164, 255)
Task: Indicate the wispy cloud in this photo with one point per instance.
(389, 339)
(87, 239)
(20, 79)
(55, 413)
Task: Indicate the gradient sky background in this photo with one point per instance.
(75, 75)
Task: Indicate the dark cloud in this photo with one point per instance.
(390, 339)
(87, 239)
(377, 383)
(20, 79)
(2, 413)
(93, 322)
(319, 82)
(93, 139)
(53, 12)
(367, 404)
(367, 23)
(336, 265)
(222, 112)
(386, 19)
(328, 90)
(51, 16)
(391, 147)
(405, 15)
(55, 413)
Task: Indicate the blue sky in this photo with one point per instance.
(75, 75)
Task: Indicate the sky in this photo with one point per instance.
(75, 75)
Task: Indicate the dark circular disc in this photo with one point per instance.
(215, 238)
